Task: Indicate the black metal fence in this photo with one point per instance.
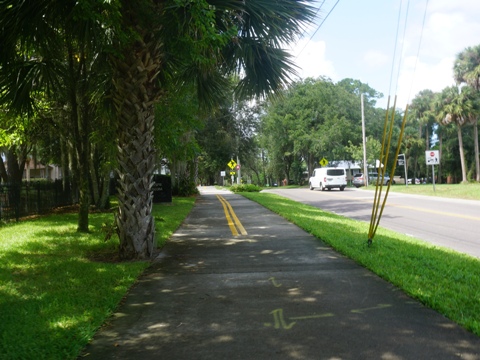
(32, 198)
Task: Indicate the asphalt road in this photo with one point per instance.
(450, 223)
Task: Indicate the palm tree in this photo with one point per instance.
(197, 40)
(152, 43)
(51, 48)
(452, 106)
(421, 111)
(466, 69)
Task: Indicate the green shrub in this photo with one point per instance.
(245, 188)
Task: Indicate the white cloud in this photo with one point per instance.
(375, 58)
(450, 27)
(416, 76)
(357, 42)
(311, 59)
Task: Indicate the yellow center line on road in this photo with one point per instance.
(235, 224)
(389, 203)
(461, 216)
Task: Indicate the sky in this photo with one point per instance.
(358, 40)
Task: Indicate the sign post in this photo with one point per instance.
(432, 157)
(402, 161)
(232, 164)
(222, 174)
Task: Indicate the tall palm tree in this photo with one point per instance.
(200, 41)
(466, 69)
(452, 106)
(421, 111)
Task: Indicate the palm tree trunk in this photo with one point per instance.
(134, 97)
(477, 155)
(462, 154)
(440, 150)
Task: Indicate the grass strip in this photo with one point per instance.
(469, 191)
(442, 279)
(57, 286)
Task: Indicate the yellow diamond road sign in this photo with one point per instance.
(323, 162)
(232, 164)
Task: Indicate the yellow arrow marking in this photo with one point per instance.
(380, 306)
(274, 283)
(279, 321)
(311, 316)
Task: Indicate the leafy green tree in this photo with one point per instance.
(315, 118)
(15, 145)
(54, 49)
(356, 87)
(374, 148)
(177, 121)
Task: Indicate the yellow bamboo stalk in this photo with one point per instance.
(392, 172)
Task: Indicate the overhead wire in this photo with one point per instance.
(395, 49)
(318, 28)
(403, 44)
(378, 205)
(316, 13)
(418, 50)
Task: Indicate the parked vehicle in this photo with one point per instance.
(328, 178)
(372, 178)
(358, 180)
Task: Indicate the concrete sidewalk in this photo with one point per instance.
(276, 293)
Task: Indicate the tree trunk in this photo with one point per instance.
(80, 130)
(94, 179)
(440, 148)
(462, 154)
(103, 202)
(134, 96)
(3, 171)
(477, 155)
(16, 160)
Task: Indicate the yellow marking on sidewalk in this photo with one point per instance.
(380, 306)
(274, 283)
(307, 317)
(279, 321)
(230, 214)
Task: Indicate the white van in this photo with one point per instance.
(328, 178)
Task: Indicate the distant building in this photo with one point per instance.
(39, 171)
(351, 167)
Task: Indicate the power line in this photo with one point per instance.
(316, 13)
(418, 51)
(318, 28)
(395, 49)
(403, 44)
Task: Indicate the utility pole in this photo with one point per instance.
(365, 167)
(239, 171)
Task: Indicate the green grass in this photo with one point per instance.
(443, 280)
(470, 191)
(53, 295)
(168, 217)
